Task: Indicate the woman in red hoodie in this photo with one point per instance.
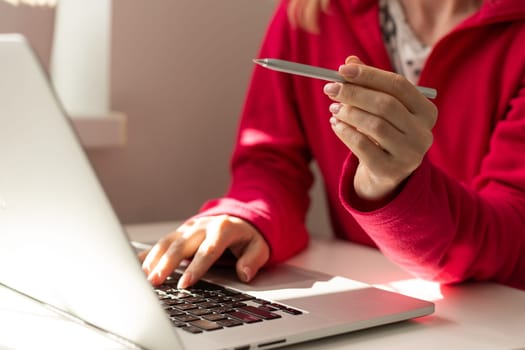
(438, 186)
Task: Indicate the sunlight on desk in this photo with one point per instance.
(417, 288)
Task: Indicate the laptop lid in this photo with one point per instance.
(58, 230)
(62, 243)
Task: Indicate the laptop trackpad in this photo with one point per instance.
(284, 279)
(334, 297)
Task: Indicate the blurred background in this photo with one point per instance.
(179, 70)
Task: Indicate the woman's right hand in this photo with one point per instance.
(205, 239)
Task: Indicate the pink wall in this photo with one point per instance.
(179, 71)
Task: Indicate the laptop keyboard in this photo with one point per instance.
(208, 307)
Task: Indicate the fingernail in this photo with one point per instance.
(335, 108)
(185, 281)
(349, 70)
(246, 274)
(332, 89)
(333, 120)
(352, 58)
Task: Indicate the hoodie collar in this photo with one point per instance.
(490, 12)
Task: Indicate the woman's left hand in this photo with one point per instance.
(385, 121)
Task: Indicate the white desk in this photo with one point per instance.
(473, 316)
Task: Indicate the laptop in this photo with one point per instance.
(62, 245)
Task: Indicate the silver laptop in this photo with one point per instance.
(61, 244)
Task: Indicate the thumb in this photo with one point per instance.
(254, 256)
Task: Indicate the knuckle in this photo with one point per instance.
(378, 127)
(218, 222)
(177, 246)
(206, 256)
(384, 104)
(164, 242)
(359, 141)
(209, 251)
(348, 92)
(398, 82)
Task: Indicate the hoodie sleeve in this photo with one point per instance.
(444, 230)
(270, 163)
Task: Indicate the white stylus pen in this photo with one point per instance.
(318, 72)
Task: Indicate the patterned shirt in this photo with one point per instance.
(407, 53)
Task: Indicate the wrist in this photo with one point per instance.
(378, 197)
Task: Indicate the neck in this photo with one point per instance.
(431, 19)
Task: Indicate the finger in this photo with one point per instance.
(379, 130)
(142, 255)
(388, 82)
(372, 101)
(155, 254)
(402, 145)
(216, 241)
(182, 246)
(254, 255)
(365, 149)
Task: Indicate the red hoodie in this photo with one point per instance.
(461, 214)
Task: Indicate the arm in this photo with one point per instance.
(448, 231)
(266, 204)
(270, 163)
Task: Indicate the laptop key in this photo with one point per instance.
(205, 324)
(192, 329)
(242, 297)
(244, 317)
(223, 309)
(199, 312)
(220, 299)
(286, 309)
(195, 300)
(171, 302)
(185, 318)
(214, 317)
(229, 322)
(185, 307)
(180, 295)
(174, 312)
(209, 305)
(266, 315)
(234, 305)
(205, 285)
(178, 324)
(230, 292)
(291, 311)
(267, 308)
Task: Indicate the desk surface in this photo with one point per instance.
(470, 316)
